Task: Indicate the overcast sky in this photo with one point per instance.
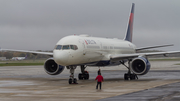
(39, 24)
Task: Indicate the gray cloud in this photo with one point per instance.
(39, 24)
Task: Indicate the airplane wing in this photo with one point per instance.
(119, 57)
(26, 51)
(143, 48)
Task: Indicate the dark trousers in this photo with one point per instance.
(98, 83)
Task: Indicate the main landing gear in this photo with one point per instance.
(84, 74)
(129, 75)
(72, 79)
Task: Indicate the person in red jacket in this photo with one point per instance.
(99, 79)
(99, 71)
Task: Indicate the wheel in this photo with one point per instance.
(75, 80)
(132, 76)
(70, 81)
(125, 76)
(86, 76)
(80, 76)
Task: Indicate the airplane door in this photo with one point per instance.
(100, 44)
(83, 45)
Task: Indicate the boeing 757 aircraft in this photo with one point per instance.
(83, 50)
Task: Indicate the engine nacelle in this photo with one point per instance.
(140, 66)
(52, 68)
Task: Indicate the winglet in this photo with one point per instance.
(129, 33)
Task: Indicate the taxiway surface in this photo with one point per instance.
(26, 83)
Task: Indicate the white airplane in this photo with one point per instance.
(83, 50)
(19, 58)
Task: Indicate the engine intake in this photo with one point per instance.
(140, 66)
(52, 68)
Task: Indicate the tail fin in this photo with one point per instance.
(129, 33)
(26, 56)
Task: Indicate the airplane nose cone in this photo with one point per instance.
(61, 57)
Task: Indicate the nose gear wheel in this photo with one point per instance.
(72, 79)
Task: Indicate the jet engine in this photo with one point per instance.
(140, 66)
(52, 68)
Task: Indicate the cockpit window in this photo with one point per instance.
(74, 47)
(65, 47)
(58, 47)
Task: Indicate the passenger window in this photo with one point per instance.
(65, 47)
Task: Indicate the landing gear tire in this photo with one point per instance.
(130, 76)
(75, 81)
(84, 76)
(70, 81)
(80, 76)
(126, 76)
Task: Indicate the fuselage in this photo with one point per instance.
(18, 58)
(85, 50)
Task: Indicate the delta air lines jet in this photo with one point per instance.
(83, 50)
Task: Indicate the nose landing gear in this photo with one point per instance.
(72, 79)
(84, 74)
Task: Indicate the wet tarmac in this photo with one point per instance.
(20, 83)
(169, 92)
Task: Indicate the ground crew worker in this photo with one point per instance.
(99, 79)
(99, 71)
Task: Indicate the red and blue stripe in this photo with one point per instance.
(129, 33)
